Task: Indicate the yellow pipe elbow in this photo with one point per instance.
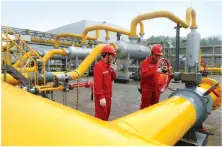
(166, 14)
(52, 52)
(90, 58)
(101, 27)
(191, 12)
(74, 36)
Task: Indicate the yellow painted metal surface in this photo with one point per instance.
(101, 27)
(165, 122)
(206, 83)
(107, 35)
(214, 69)
(85, 64)
(31, 120)
(157, 14)
(74, 36)
(141, 28)
(52, 52)
(59, 88)
(28, 69)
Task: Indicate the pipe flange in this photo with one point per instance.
(84, 45)
(142, 36)
(177, 76)
(193, 27)
(134, 39)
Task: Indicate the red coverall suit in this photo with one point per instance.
(148, 84)
(103, 75)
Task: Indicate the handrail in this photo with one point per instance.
(74, 36)
(31, 51)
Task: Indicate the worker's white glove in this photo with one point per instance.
(159, 70)
(163, 70)
(114, 67)
(103, 102)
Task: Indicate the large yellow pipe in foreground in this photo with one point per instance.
(74, 36)
(185, 24)
(165, 122)
(35, 123)
(101, 27)
(31, 120)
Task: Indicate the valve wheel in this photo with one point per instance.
(163, 79)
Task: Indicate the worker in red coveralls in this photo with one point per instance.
(104, 72)
(148, 82)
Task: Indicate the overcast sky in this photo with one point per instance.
(46, 15)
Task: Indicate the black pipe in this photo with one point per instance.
(177, 47)
(118, 36)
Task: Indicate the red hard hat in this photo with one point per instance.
(108, 49)
(157, 49)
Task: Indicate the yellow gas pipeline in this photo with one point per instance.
(41, 121)
(107, 35)
(214, 69)
(85, 64)
(74, 36)
(153, 123)
(185, 24)
(101, 27)
(37, 124)
(181, 116)
(141, 28)
(28, 69)
(52, 52)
